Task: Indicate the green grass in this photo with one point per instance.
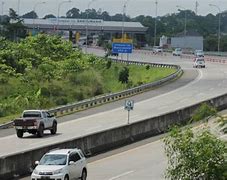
(73, 87)
(6, 119)
(138, 75)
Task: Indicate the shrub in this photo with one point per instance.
(3, 79)
(204, 111)
(61, 101)
(148, 67)
(108, 64)
(45, 92)
(124, 75)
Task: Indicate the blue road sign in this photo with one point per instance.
(122, 47)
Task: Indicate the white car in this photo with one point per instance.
(199, 53)
(157, 49)
(177, 52)
(61, 164)
(199, 62)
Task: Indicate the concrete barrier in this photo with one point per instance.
(20, 164)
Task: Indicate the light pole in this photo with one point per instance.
(3, 3)
(2, 16)
(34, 7)
(123, 25)
(185, 19)
(88, 7)
(18, 8)
(123, 21)
(59, 6)
(219, 25)
(155, 24)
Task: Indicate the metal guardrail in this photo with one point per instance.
(88, 103)
(98, 100)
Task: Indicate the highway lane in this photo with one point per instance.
(143, 163)
(187, 77)
(209, 83)
(141, 160)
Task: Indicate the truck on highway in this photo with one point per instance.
(35, 122)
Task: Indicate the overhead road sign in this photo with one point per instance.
(122, 48)
(120, 40)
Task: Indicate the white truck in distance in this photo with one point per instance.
(35, 122)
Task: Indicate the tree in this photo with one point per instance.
(30, 15)
(194, 155)
(124, 75)
(105, 16)
(73, 13)
(14, 27)
(49, 16)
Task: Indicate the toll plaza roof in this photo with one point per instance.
(81, 24)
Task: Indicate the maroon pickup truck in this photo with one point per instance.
(35, 122)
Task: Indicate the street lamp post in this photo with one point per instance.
(88, 7)
(155, 24)
(34, 8)
(2, 16)
(3, 3)
(59, 6)
(18, 8)
(185, 19)
(219, 25)
(123, 25)
(123, 21)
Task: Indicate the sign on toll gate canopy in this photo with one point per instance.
(122, 48)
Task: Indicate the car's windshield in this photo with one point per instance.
(200, 60)
(53, 159)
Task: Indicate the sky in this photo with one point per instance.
(133, 7)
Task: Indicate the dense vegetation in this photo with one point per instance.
(168, 25)
(195, 155)
(45, 71)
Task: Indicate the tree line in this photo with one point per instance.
(168, 25)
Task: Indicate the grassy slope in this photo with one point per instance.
(85, 83)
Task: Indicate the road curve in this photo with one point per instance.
(210, 82)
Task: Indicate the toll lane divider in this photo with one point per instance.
(207, 58)
(92, 102)
(19, 164)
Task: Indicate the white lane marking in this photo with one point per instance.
(198, 78)
(120, 175)
(125, 152)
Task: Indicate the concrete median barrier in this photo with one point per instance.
(20, 163)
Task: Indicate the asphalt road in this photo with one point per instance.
(210, 82)
(146, 161)
(187, 77)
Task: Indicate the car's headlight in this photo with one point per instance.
(35, 172)
(59, 171)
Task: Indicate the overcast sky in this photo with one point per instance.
(134, 7)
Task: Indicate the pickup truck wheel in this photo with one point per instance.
(40, 131)
(20, 133)
(54, 128)
(84, 175)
